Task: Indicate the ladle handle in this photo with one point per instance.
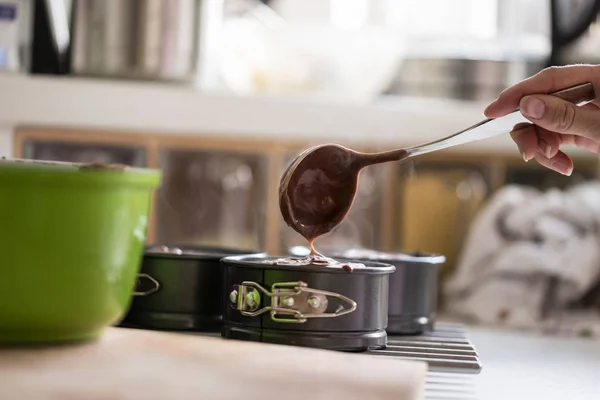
(489, 128)
(366, 159)
(579, 94)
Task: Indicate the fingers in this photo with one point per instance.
(560, 163)
(532, 139)
(556, 115)
(527, 141)
(556, 122)
(590, 106)
(581, 142)
(547, 81)
(548, 142)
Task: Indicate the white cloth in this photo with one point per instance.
(528, 254)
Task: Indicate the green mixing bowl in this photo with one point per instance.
(71, 244)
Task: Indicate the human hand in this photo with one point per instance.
(554, 122)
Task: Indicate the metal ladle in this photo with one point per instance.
(318, 188)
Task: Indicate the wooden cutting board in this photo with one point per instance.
(130, 364)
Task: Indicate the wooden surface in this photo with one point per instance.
(128, 364)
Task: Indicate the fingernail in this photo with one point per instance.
(488, 110)
(563, 168)
(490, 105)
(532, 107)
(545, 148)
(525, 158)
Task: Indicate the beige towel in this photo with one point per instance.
(528, 256)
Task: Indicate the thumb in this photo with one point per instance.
(557, 115)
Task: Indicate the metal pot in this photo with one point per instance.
(309, 306)
(413, 288)
(180, 290)
(460, 78)
(148, 39)
(168, 40)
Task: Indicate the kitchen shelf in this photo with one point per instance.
(147, 107)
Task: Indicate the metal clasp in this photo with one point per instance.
(294, 299)
(155, 285)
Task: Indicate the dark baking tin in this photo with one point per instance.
(358, 330)
(180, 291)
(413, 292)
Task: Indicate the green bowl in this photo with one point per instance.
(71, 244)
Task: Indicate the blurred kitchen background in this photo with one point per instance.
(221, 94)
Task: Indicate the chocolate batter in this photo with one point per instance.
(318, 188)
(317, 260)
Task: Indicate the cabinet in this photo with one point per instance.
(216, 192)
(56, 150)
(224, 191)
(543, 179)
(437, 201)
(211, 198)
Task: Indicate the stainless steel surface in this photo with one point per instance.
(488, 128)
(443, 386)
(446, 349)
(482, 130)
(144, 39)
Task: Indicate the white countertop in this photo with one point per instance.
(156, 107)
(531, 366)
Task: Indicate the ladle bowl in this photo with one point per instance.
(318, 188)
